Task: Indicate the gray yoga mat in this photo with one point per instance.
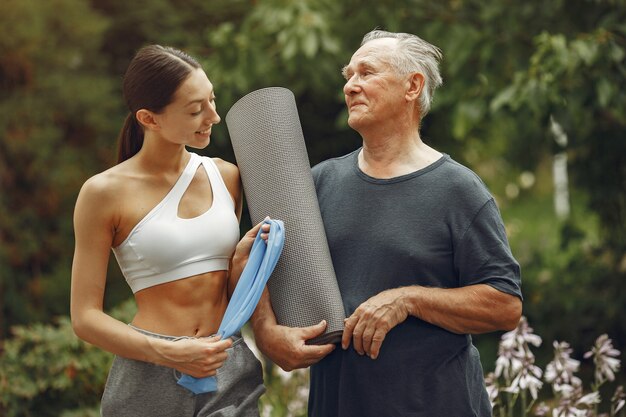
(269, 146)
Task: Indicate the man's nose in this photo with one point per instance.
(351, 86)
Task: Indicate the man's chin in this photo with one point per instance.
(355, 122)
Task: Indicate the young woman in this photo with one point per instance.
(172, 220)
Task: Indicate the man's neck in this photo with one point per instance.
(394, 156)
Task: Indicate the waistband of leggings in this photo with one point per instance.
(236, 337)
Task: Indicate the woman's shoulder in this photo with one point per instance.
(228, 170)
(230, 175)
(225, 167)
(107, 186)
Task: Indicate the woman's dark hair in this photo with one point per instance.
(152, 78)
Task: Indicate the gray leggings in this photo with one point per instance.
(136, 389)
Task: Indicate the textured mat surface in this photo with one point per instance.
(269, 146)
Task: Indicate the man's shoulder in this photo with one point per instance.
(460, 171)
(462, 182)
(335, 164)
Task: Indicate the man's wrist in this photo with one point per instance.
(410, 299)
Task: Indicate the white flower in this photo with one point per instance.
(524, 334)
(529, 378)
(618, 400)
(491, 383)
(568, 411)
(567, 390)
(503, 364)
(560, 372)
(513, 351)
(605, 359)
(589, 399)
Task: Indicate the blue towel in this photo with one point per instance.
(261, 262)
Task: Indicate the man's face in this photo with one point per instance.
(374, 92)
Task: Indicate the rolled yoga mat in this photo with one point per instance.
(275, 171)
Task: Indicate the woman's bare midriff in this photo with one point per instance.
(191, 306)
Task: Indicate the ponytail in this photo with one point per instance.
(130, 139)
(150, 83)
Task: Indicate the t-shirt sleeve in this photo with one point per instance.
(483, 255)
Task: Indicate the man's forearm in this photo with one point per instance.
(473, 309)
(286, 346)
(263, 315)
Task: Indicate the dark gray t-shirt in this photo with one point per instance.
(439, 227)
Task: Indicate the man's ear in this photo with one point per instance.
(147, 119)
(415, 86)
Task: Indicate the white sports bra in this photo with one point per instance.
(163, 247)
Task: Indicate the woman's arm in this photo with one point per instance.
(96, 217)
(230, 175)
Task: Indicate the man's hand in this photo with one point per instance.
(287, 348)
(372, 320)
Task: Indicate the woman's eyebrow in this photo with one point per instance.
(198, 101)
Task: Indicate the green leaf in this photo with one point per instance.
(604, 92)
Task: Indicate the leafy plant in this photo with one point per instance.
(46, 370)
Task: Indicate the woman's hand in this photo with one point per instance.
(242, 252)
(196, 357)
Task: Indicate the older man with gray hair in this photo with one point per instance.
(419, 250)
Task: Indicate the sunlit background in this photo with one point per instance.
(533, 100)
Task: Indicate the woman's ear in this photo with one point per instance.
(415, 86)
(147, 119)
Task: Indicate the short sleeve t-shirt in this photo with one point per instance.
(438, 226)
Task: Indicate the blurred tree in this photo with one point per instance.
(54, 124)
(179, 23)
(578, 78)
(288, 44)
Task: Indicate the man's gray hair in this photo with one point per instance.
(414, 55)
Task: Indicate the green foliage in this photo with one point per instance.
(288, 44)
(45, 370)
(287, 392)
(577, 280)
(580, 82)
(578, 78)
(54, 127)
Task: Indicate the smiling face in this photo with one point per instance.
(188, 119)
(374, 91)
